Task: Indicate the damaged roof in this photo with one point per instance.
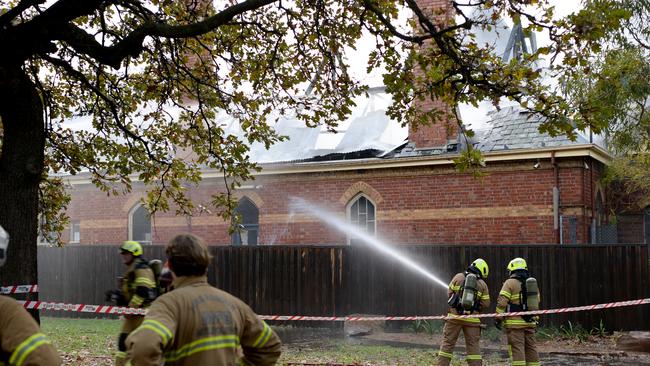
(509, 128)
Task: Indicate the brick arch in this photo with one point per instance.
(251, 195)
(360, 187)
(599, 192)
(131, 202)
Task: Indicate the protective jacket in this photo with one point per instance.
(510, 300)
(22, 342)
(139, 284)
(197, 324)
(482, 295)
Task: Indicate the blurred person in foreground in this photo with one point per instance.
(197, 324)
(21, 340)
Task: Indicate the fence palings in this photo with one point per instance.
(344, 280)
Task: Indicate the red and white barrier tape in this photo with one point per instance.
(22, 289)
(492, 315)
(81, 308)
(105, 309)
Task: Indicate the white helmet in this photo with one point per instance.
(4, 243)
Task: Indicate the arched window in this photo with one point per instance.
(249, 222)
(140, 225)
(361, 212)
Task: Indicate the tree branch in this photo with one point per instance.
(10, 15)
(110, 102)
(61, 12)
(132, 44)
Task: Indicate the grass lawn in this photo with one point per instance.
(91, 342)
(83, 341)
(347, 354)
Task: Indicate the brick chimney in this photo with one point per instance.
(444, 131)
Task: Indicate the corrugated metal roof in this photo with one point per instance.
(368, 131)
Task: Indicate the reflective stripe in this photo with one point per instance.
(506, 294)
(510, 351)
(518, 363)
(485, 297)
(474, 357)
(517, 322)
(204, 344)
(533, 363)
(120, 354)
(445, 354)
(264, 337)
(501, 310)
(27, 347)
(467, 320)
(144, 281)
(454, 287)
(158, 328)
(137, 300)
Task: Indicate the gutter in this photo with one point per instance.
(582, 150)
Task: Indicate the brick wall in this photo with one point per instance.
(445, 130)
(431, 204)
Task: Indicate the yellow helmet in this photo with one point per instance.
(482, 266)
(517, 263)
(132, 247)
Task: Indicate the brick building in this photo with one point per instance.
(411, 194)
(398, 184)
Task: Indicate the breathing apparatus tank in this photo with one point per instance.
(468, 298)
(156, 266)
(532, 294)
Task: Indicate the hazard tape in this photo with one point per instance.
(106, 309)
(82, 308)
(22, 289)
(446, 317)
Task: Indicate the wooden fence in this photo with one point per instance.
(343, 280)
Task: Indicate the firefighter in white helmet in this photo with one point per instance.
(467, 294)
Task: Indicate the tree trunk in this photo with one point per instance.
(21, 166)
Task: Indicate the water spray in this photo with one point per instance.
(332, 220)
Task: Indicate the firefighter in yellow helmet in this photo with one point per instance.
(467, 294)
(197, 324)
(21, 340)
(137, 290)
(520, 331)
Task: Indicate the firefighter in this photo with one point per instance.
(137, 290)
(197, 324)
(520, 331)
(21, 340)
(471, 327)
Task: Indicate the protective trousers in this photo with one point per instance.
(450, 334)
(522, 347)
(131, 322)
